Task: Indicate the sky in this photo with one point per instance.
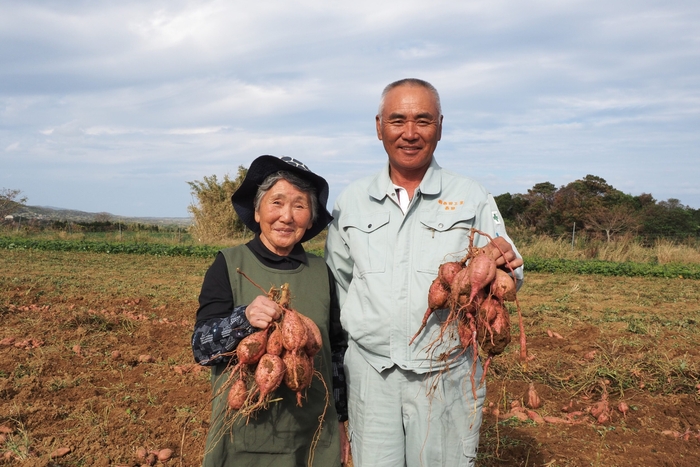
(115, 106)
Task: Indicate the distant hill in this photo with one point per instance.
(46, 213)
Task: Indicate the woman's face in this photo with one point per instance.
(284, 216)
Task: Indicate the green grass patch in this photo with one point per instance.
(554, 266)
(609, 268)
(156, 249)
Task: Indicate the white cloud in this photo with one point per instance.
(168, 91)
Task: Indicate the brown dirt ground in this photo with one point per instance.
(63, 315)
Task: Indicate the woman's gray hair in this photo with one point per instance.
(298, 182)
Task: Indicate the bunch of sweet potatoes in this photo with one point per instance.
(475, 291)
(281, 353)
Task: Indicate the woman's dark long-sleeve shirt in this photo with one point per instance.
(221, 324)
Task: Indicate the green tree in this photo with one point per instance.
(594, 186)
(669, 219)
(580, 197)
(214, 217)
(592, 204)
(643, 201)
(10, 201)
(512, 207)
(538, 205)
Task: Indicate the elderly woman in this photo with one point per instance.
(283, 202)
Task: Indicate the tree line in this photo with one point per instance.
(589, 205)
(597, 208)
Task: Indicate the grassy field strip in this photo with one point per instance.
(532, 264)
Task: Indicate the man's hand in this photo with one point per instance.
(262, 311)
(502, 253)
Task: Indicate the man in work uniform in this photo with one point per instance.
(390, 234)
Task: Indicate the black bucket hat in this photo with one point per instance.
(243, 198)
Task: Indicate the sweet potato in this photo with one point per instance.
(237, 395)
(477, 293)
(623, 408)
(438, 295)
(141, 453)
(298, 372)
(251, 348)
(493, 333)
(447, 272)
(534, 416)
(601, 410)
(461, 284)
(293, 331)
(503, 286)
(269, 374)
(532, 399)
(274, 342)
(165, 454)
(483, 271)
(314, 341)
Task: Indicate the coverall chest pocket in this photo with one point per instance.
(368, 237)
(444, 237)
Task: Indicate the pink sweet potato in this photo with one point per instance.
(237, 395)
(298, 372)
(483, 271)
(438, 295)
(269, 374)
(461, 284)
(314, 341)
(251, 348)
(532, 399)
(493, 327)
(447, 272)
(503, 286)
(274, 342)
(293, 331)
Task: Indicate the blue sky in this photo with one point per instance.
(114, 106)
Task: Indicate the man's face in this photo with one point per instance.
(410, 127)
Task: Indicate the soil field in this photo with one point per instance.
(95, 358)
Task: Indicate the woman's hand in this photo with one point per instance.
(262, 311)
(344, 444)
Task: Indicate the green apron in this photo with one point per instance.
(280, 435)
